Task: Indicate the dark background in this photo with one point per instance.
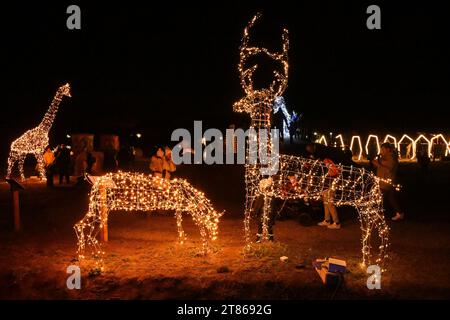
(151, 67)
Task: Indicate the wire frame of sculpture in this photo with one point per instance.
(308, 178)
(302, 178)
(34, 141)
(135, 191)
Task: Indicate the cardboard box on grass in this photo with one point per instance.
(329, 277)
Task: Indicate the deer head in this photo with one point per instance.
(258, 102)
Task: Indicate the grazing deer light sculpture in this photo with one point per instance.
(139, 192)
(299, 177)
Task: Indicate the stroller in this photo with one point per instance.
(305, 212)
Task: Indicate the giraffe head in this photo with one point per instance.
(258, 102)
(65, 90)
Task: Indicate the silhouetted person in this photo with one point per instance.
(63, 163)
(348, 156)
(386, 165)
(125, 158)
(278, 119)
(423, 160)
(292, 132)
(90, 159)
(109, 160)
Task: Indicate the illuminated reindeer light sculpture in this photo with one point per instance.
(299, 177)
(134, 191)
(35, 140)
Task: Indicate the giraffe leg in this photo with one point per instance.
(13, 157)
(21, 163)
(41, 166)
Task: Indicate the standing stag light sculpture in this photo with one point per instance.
(298, 177)
(139, 192)
(35, 140)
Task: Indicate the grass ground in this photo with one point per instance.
(144, 261)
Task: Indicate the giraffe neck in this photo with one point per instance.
(50, 115)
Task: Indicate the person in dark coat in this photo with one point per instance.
(63, 163)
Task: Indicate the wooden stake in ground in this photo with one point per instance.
(15, 188)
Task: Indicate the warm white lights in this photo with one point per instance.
(412, 145)
(341, 140)
(435, 140)
(357, 138)
(410, 148)
(391, 140)
(322, 140)
(372, 136)
(297, 177)
(135, 191)
(35, 140)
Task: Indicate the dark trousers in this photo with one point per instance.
(49, 176)
(390, 196)
(64, 173)
(258, 211)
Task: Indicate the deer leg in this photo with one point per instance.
(250, 198)
(86, 231)
(79, 231)
(366, 228)
(383, 234)
(181, 234)
(204, 236)
(266, 217)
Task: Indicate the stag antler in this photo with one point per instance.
(279, 84)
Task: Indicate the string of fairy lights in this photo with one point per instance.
(298, 177)
(34, 141)
(406, 145)
(139, 192)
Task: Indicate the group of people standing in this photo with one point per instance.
(58, 162)
(161, 163)
(385, 164)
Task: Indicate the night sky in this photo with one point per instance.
(151, 67)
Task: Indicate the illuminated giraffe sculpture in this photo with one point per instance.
(299, 177)
(35, 140)
(139, 192)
